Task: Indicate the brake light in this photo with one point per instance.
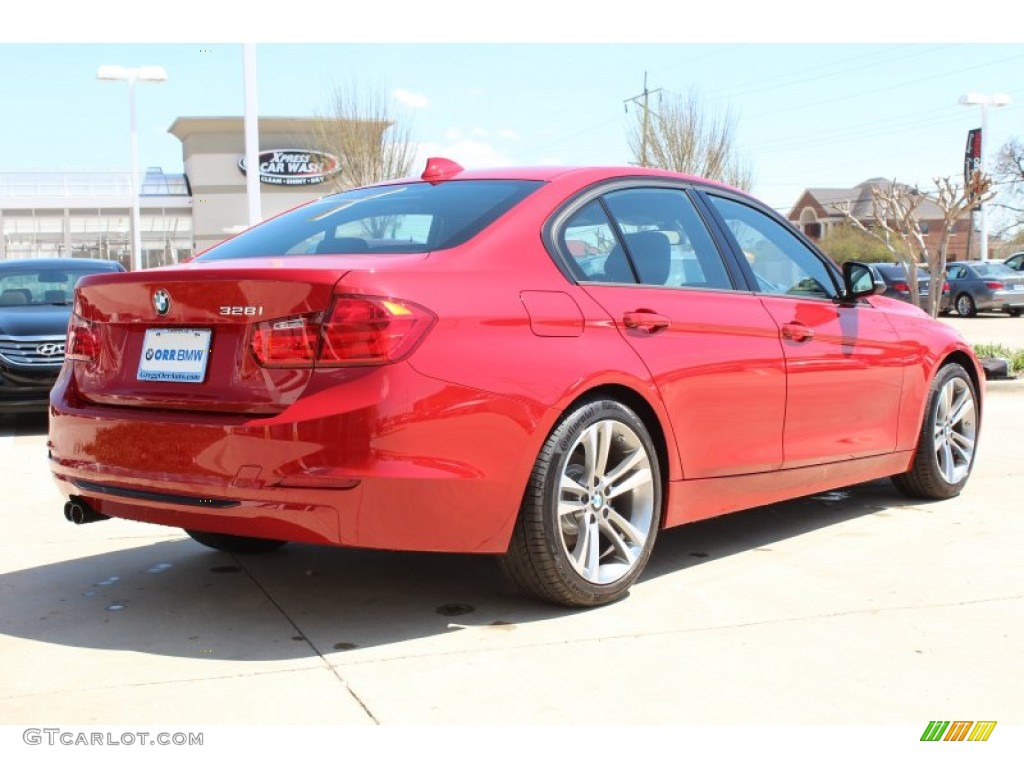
(287, 343)
(995, 285)
(355, 330)
(901, 287)
(368, 330)
(945, 287)
(83, 340)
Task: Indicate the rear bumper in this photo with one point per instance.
(1006, 300)
(25, 391)
(395, 460)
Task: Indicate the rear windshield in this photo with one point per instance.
(405, 218)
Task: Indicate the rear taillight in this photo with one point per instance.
(945, 287)
(287, 343)
(900, 287)
(995, 285)
(355, 330)
(83, 340)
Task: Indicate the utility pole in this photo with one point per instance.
(646, 119)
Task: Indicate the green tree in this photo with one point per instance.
(846, 243)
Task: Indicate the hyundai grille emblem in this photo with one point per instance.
(49, 350)
(161, 302)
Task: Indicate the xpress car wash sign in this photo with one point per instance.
(294, 167)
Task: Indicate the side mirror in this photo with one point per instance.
(860, 280)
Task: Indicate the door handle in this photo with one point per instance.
(644, 320)
(797, 332)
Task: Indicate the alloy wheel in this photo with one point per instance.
(606, 501)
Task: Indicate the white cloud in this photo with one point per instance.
(410, 99)
(508, 133)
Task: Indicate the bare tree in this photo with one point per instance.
(360, 129)
(895, 223)
(1009, 175)
(683, 135)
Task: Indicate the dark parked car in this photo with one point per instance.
(1016, 262)
(985, 285)
(35, 306)
(897, 285)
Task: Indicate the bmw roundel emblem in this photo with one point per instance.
(162, 302)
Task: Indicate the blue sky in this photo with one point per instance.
(808, 114)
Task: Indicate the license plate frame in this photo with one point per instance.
(179, 355)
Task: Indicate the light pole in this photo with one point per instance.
(131, 75)
(984, 101)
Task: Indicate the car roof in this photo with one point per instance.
(581, 174)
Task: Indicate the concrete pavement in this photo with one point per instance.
(989, 328)
(854, 606)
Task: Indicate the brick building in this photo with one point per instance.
(816, 213)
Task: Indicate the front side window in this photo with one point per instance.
(782, 265)
(404, 218)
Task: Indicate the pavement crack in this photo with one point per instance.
(306, 640)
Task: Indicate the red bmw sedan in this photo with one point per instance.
(549, 365)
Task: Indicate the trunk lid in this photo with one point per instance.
(143, 357)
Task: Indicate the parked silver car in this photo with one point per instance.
(977, 286)
(897, 285)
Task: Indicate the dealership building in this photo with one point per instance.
(87, 212)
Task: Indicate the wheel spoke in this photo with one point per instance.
(945, 401)
(624, 549)
(946, 464)
(624, 466)
(962, 444)
(568, 485)
(962, 408)
(633, 481)
(587, 554)
(597, 441)
(620, 526)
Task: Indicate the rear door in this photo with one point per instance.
(645, 254)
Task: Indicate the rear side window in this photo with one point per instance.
(405, 218)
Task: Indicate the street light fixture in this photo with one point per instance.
(132, 75)
(984, 101)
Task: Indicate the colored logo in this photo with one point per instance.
(958, 730)
(162, 302)
(293, 167)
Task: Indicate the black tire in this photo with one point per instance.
(965, 305)
(239, 545)
(566, 506)
(1013, 312)
(942, 466)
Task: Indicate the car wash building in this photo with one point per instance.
(87, 212)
